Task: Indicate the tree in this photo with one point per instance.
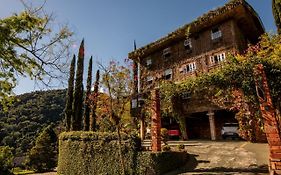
(118, 84)
(6, 160)
(69, 97)
(78, 91)
(276, 10)
(43, 156)
(93, 103)
(86, 101)
(31, 45)
(27, 116)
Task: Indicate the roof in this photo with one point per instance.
(213, 16)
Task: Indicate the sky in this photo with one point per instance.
(109, 27)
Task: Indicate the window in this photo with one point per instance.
(149, 79)
(168, 74)
(215, 59)
(148, 62)
(167, 52)
(216, 33)
(187, 44)
(134, 103)
(190, 67)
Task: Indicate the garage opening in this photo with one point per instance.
(198, 124)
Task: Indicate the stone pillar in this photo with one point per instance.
(271, 125)
(211, 115)
(155, 122)
(142, 128)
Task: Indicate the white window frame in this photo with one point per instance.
(220, 58)
(188, 68)
(192, 66)
(168, 72)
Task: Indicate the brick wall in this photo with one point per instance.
(202, 48)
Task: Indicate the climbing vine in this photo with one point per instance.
(231, 86)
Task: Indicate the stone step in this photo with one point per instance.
(173, 143)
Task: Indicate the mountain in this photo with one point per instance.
(20, 126)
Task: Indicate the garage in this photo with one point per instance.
(208, 125)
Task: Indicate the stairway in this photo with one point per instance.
(146, 144)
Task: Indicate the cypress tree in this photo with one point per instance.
(88, 93)
(69, 96)
(94, 103)
(276, 10)
(78, 91)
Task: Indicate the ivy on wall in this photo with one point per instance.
(231, 86)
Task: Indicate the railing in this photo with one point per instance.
(216, 35)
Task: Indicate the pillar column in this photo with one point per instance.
(271, 124)
(155, 122)
(142, 129)
(211, 115)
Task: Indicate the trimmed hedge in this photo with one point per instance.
(84, 153)
(150, 163)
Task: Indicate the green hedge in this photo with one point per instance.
(161, 162)
(84, 153)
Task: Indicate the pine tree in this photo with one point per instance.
(94, 103)
(43, 156)
(69, 96)
(78, 92)
(276, 10)
(88, 93)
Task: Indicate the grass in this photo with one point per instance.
(21, 171)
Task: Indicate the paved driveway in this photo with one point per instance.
(225, 157)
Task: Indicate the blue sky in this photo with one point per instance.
(110, 26)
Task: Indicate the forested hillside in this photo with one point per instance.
(28, 116)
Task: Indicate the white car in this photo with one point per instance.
(230, 130)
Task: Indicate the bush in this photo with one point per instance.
(164, 135)
(180, 147)
(162, 162)
(84, 153)
(43, 156)
(166, 148)
(6, 160)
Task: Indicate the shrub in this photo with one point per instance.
(83, 153)
(166, 148)
(164, 135)
(43, 156)
(180, 147)
(6, 159)
(161, 162)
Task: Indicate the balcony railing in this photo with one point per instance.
(216, 35)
